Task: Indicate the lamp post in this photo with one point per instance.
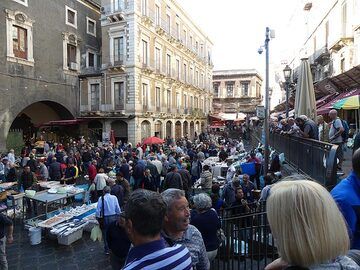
(268, 35)
(287, 75)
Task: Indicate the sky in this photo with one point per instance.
(237, 29)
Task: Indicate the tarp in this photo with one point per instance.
(232, 116)
(61, 123)
(328, 106)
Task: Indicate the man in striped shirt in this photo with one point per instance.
(144, 215)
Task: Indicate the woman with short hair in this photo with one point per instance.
(206, 220)
(308, 227)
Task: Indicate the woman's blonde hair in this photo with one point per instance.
(306, 223)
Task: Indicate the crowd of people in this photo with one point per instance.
(336, 131)
(175, 170)
(160, 206)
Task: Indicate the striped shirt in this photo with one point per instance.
(155, 255)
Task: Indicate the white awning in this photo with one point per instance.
(232, 116)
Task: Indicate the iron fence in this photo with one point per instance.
(310, 157)
(248, 242)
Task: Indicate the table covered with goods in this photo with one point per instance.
(67, 222)
(66, 225)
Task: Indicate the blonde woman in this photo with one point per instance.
(308, 227)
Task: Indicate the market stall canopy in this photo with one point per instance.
(348, 103)
(305, 102)
(54, 123)
(232, 116)
(153, 140)
(328, 106)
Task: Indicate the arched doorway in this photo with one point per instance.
(192, 130)
(158, 129)
(197, 128)
(178, 130)
(145, 129)
(95, 129)
(120, 129)
(31, 120)
(168, 129)
(186, 129)
(202, 127)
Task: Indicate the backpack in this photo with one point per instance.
(345, 134)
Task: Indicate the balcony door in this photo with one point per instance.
(95, 96)
(119, 95)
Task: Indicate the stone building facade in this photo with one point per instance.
(44, 48)
(328, 34)
(156, 73)
(236, 91)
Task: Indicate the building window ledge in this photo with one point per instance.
(71, 72)
(27, 62)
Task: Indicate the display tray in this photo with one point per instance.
(51, 222)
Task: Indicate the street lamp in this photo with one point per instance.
(269, 34)
(287, 75)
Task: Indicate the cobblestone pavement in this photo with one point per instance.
(49, 255)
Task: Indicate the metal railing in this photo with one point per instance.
(248, 242)
(311, 157)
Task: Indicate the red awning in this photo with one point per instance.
(328, 106)
(71, 122)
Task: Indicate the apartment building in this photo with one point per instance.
(328, 33)
(236, 91)
(156, 73)
(45, 47)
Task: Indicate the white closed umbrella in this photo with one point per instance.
(305, 102)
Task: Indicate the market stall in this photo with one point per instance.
(53, 195)
(66, 225)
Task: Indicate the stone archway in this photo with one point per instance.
(145, 129)
(178, 130)
(120, 129)
(158, 129)
(30, 119)
(169, 129)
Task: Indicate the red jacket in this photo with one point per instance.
(92, 172)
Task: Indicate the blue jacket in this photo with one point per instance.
(347, 196)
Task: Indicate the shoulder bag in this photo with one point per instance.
(102, 215)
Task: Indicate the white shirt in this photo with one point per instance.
(11, 157)
(241, 146)
(158, 165)
(140, 153)
(100, 181)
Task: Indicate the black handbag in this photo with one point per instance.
(100, 219)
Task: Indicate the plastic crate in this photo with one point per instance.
(71, 238)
